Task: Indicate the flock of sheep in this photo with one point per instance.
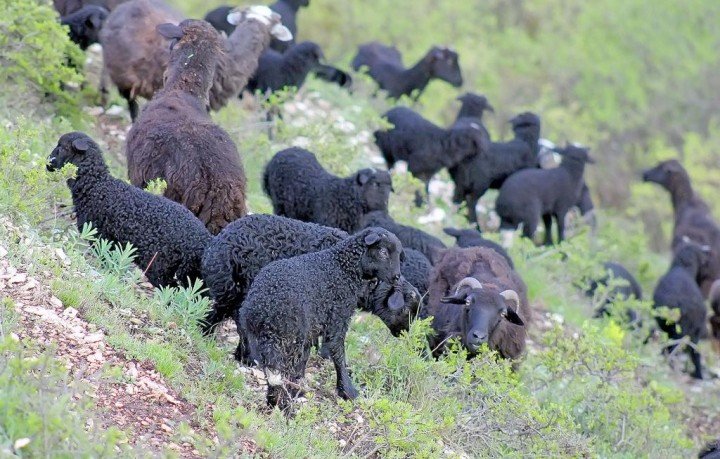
(291, 279)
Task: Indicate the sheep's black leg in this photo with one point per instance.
(132, 104)
(560, 220)
(336, 346)
(547, 221)
(695, 357)
(471, 201)
(418, 198)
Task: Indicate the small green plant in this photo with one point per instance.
(156, 186)
(184, 306)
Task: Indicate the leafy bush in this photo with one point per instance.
(36, 50)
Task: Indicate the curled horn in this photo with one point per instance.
(512, 296)
(470, 282)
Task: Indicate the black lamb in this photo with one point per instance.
(295, 301)
(168, 238)
(678, 289)
(85, 24)
(276, 70)
(411, 237)
(384, 64)
(236, 255)
(473, 238)
(426, 147)
(532, 194)
(300, 188)
(492, 166)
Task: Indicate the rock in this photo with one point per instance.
(21, 443)
(95, 337)
(115, 111)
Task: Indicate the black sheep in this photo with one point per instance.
(711, 450)
(293, 302)
(473, 238)
(236, 255)
(692, 215)
(385, 66)
(411, 237)
(532, 194)
(276, 70)
(426, 147)
(85, 24)
(168, 238)
(492, 166)
(300, 188)
(630, 289)
(678, 289)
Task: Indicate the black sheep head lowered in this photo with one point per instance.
(394, 304)
(482, 311)
(444, 65)
(375, 187)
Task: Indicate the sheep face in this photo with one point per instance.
(665, 173)
(692, 256)
(375, 187)
(395, 304)
(445, 66)
(85, 25)
(308, 52)
(382, 256)
(475, 104)
(482, 312)
(70, 149)
(576, 154)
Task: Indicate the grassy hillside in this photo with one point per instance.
(633, 81)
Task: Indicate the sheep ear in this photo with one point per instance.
(454, 299)
(81, 145)
(170, 31)
(512, 316)
(93, 21)
(371, 238)
(364, 176)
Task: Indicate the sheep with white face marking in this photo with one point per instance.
(299, 187)
(475, 296)
(293, 302)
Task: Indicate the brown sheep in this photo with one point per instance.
(136, 57)
(176, 140)
(475, 295)
(693, 219)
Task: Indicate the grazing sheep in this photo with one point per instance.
(136, 57)
(630, 289)
(293, 302)
(85, 24)
(168, 238)
(287, 9)
(492, 166)
(530, 194)
(473, 238)
(678, 289)
(300, 188)
(276, 70)
(425, 147)
(413, 238)
(235, 256)
(693, 218)
(176, 140)
(475, 296)
(384, 65)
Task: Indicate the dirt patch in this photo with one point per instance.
(135, 399)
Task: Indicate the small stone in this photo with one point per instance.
(21, 443)
(166, 428)
(114, 110)
(3, 252)
(94, 111)
(95, 337)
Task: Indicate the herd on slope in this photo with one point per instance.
(338, 227)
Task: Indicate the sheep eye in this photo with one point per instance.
(383, 253)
